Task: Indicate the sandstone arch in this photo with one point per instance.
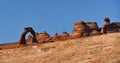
(22, 39)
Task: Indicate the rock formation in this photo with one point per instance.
(55, 37)
(96, 49)
(29, 39)
(80, 29)
(108, 27)
(93, 28)
(115, 26)
(43, 37)
(61, 37)
(22, 39)
(64, 36)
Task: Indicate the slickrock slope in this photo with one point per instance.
(96, 49)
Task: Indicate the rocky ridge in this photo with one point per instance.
(80, 29)
(86, 44)
(96, 49)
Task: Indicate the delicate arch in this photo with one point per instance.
(22, 39)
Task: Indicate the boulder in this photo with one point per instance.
(56, 37)
(64, 36)
(43, 37)
(108, 27)
(82, 29)
(92, 25)
(29, 39)
(78, 29)
(93, 28)
(115, 26)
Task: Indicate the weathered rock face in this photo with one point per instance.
(78, 29)
(29, 39)
(115, 26)
(92, 25)
(64, 36)
(22, 39)
(56, 37)
(93, 28)
(84, 29)
(108, 27)
(43, 37)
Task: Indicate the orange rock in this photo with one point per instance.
(64, 36)
(56, 37)
(43, 37)
(108, 27)
(22, 39)
(82, 29)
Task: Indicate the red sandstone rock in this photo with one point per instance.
(93, 28)
(64, 36)
(92, 25)
(108, 27)
(43, 37)
(82, 29)
(22, 39)
(78, 29)
(29, 39)
(56, 37)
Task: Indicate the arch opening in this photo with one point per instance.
(27, 30)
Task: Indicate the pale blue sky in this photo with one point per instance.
(52, 15)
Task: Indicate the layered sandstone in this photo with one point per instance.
(108, 27)
(61, 37)
(80, 29)
(64, 36)
(22, 39)
(63, 48)
(43, 37)
(96, 49)
(55, 37)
